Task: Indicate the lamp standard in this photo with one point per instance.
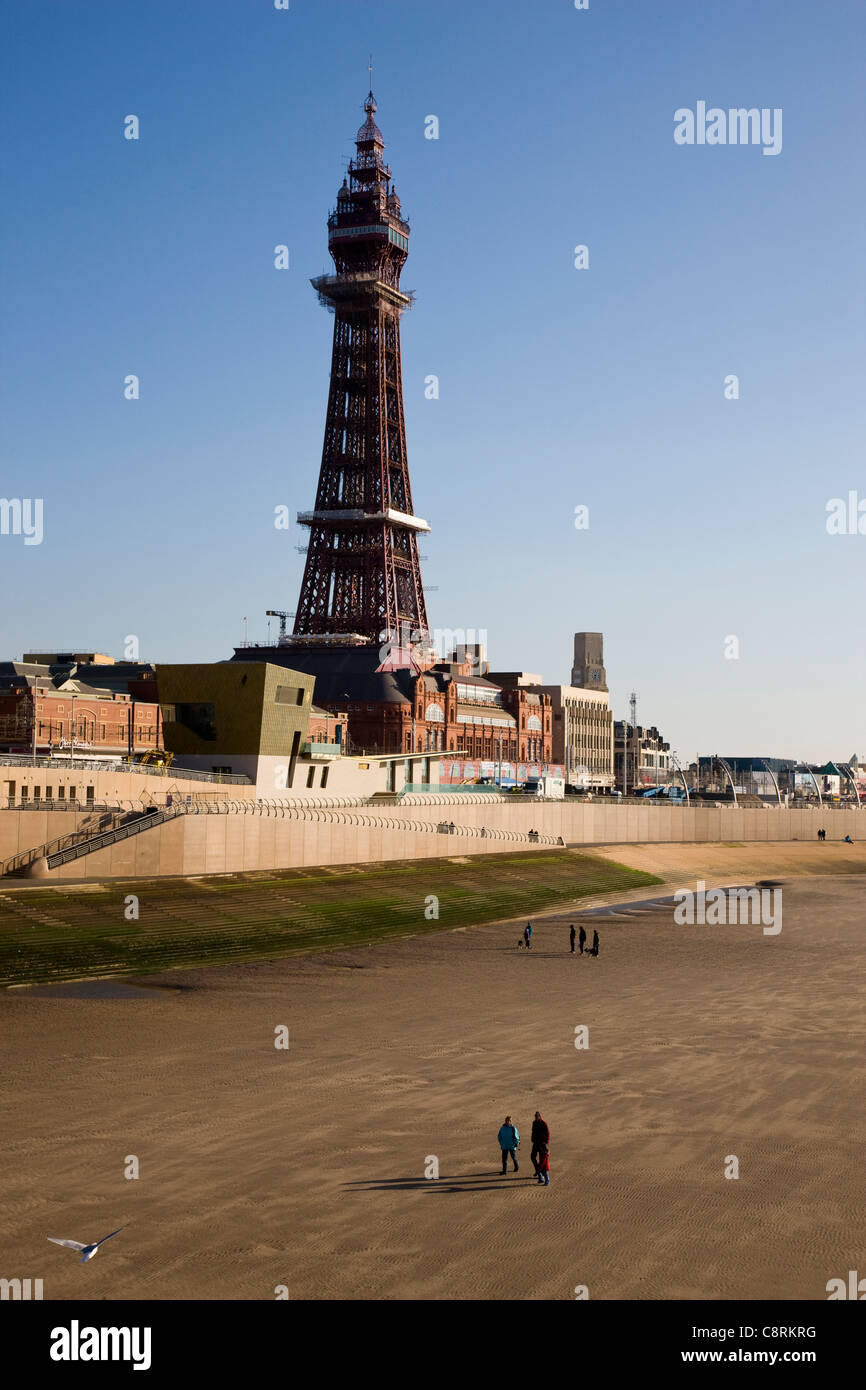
(625, 758)
(676, 762)
(347, 697)
(566, 748)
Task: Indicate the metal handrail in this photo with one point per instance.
(110, 837)
(191, 774)
(26, 857)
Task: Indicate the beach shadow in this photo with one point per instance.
(545, 955)
(465, 1182)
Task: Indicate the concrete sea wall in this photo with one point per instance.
(227, 837)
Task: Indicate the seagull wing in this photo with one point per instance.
(70, 1244)
(105, 1238)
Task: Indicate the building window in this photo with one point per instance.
(91, 793)
(310, 775)
(198, 717)
(324, 781)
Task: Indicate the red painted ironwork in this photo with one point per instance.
(363, 577)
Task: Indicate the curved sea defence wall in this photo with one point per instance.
(218, 835)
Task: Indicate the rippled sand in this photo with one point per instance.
(305, 1167)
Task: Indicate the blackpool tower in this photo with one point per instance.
(362, 580)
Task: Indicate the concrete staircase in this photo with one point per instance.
(103, 830)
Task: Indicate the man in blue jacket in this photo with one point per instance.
(508, 1142)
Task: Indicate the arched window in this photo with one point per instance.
(534, 722)
(433, 713)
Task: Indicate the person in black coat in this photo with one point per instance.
(540, 1135)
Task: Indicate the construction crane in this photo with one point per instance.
(282, 615)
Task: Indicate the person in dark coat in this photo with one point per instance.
(527, 935)
(540, 1137)
(582, 937)
(571, 936)
(594, 951)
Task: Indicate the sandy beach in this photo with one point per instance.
(304, 1167)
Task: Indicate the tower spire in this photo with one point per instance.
(362, 580)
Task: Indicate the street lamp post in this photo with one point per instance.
(676, 762)
(845, 768)
(625, 758)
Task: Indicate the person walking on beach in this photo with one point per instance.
(582, 937)
(571, 936)
(527, 935)
(509, 1141)
(540, 1139)
(544, 1166)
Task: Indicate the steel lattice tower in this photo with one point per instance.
(362, 577)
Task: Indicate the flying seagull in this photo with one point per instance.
(87, 1251)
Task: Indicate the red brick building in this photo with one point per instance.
(450, 709)
(324, 727)
(63, 715)
(447, 709)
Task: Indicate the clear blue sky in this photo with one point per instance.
(558, 387)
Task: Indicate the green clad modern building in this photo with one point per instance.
(258, 719)
(240, 717)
